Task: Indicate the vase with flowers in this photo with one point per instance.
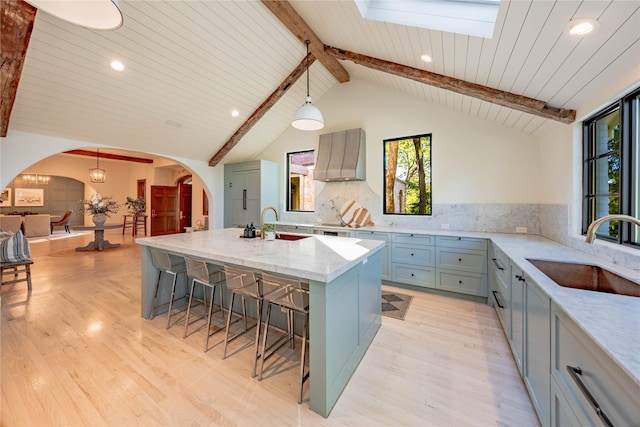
(99, 208)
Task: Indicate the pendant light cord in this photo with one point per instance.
(307, 60)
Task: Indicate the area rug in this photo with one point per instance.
(395, 304)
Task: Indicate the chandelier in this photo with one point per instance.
(35, 179)
(96, 174)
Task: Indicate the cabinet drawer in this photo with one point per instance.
(462, 260)
(416, 239)
(294, 229)
(501, 298)
(499, 263)
(617, 395)
(414, 275)
(373, 235)
(471, 284)
(412, 254)
(461, 242)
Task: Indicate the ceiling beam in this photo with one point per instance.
(262, 110)
(109, 156)
(485, 93)
(16, 24)
(283, 10)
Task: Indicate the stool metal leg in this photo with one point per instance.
(171, 298)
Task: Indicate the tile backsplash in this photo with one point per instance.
(550, 221)
(498, 218)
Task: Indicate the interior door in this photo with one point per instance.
(164, 210)
(185, 205)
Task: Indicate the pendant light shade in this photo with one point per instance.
(308, 117)
(96, 174)
(94, 14)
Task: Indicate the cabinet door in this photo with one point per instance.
(517, 316)
(377, 235)
(537, 361)
(245, 201)
(561, 413)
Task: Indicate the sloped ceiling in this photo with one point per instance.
(190, 63)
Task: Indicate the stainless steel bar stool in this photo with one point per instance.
(199, 272)
(245, 284)
(288, 294)
(162, 261)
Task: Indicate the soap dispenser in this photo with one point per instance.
(247, 232)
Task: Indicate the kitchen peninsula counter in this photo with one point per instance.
(344, 276)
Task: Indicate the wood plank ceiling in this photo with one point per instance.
(190, 63)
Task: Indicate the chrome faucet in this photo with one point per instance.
(262, 218)
(591, 230)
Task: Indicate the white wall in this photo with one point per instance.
(21, 151)
(473, 161)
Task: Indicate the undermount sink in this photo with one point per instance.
(587, 277)
(281, 236)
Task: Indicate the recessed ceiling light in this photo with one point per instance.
(426, 58)
(117, 65)
(583, 26)
(235, 113)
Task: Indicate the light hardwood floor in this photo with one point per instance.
(75, 352)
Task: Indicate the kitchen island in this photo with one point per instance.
(344, 292)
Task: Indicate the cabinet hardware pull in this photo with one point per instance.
(495, 261)
(244, 200)
(412, 275)
(460, 282)
(495, 296)
(575, 372)
(411, 254)
(459, 259)
(459, 238)
(520, 278)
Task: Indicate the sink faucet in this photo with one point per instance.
(591, 231)
(262, 218)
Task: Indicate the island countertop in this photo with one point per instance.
(316, 257)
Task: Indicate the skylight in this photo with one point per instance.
(472, 17)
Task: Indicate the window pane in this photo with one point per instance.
(607, 175)
(608, 133)
(407, 175)
(301, 186)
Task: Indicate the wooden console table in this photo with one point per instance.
(98, 240)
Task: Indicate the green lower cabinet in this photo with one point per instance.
(537, 357)
(596, 389)
(561, 413)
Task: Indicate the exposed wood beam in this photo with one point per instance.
(485, 93)
(283, 10)
(109, 156)
(262, 110)
(16, 24)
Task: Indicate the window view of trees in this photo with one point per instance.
(407, 180)
(611, 169)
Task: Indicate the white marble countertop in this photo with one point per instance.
(321, 258)
(612, 321)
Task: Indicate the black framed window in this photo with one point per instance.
(611, 171)
(407, 175)
(300, 184)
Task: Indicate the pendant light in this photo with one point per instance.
(308, 117)
(94, 14)
(96, 174)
